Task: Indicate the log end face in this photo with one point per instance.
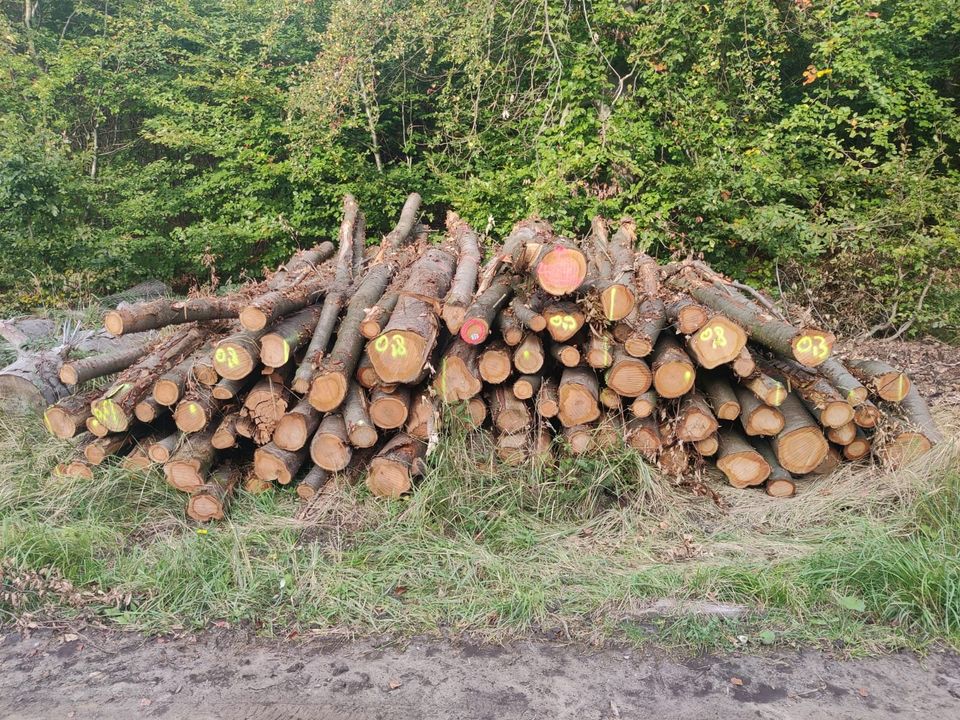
(59, 423)
(812, 346)
(388, 478)
(474, 331)
(166, 392)
(190, 417)
(718, 342)
(744, 469)
(836, 414)
(630, 378)
(182, 476)
(905, 447)
(453, 315)
(674, 379)
(204, 508)
(801, 450)
(617, 301)
(362, 435)
(274, 350)
(113, 322)
(637, 346)
(327, 391)
(562, 270)
(398, 356)
(68, 374)
(781, 488)
(253, 319)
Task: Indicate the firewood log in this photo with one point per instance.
(509, 414)
(494, 365)
(548, 401)
(74, 372)
(528, 355)
(739, 461)
(886, 382)
(800, 446)
(67, 418)
(564, 319)
(461, 373)
(187, 467)
(330, 447)
(578, 397)
(297, 426)
(644, 404)
(285, 338)
(361, 431)
(395, 465)
(273, 463)
(479, 317)
(722, 397)
(695, 420)
(212, 499)
(756, 417)
(465, 278)
(779, 482)
(673, 371)
(628, 376)
(389, 410)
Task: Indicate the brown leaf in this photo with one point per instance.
(394, 684)
(736, 681)
(809, 75)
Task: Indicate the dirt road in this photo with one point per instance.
(230, 675)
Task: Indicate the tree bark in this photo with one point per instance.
(225, 436)
(99, 449)
(527, 309)
(161, 450)
(165, 311)
(722, 397)
(820, 397)
(187, 467)
(330, 447)
(273, 463)
(858, 449)
(196, 411)
(465, 278)
(312, 483)
(917, 413)
(848, 386)
(843, 435)
(640, 329)
(866, 415)
(768, 390)
(511, 330)
(75, 372)
(687, 315)
(779, 482)
(479, 317)
(643, 435)
(565, 354)
(148, 410)
(617, 296)
(394, 467)
(548, 399)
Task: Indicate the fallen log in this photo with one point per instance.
(457, 301)
(393, 468)
(212, 499)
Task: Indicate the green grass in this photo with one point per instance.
(864, 560)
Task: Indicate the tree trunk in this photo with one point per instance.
(722, 397)
(509, 414)
(820, 397)
(465, 278)
(559, 268)
(273, 463)
(187, 467)
(883, 380)
(330, 447)
(212, 499)
(330, 383)
(640, 329)
(644, 404)
(526, 386)
(225, 436)
(280, 344)
(578, 397)
(68, 417)
(361, 431)
(297, 426)
(375, 318)
(770, 391)
(300, 266)
(164, 311)
(687, 315)
(460, 372)
(389, 410)
(404, 229)
(548, 399)
(580, 438)
(756, 417)
(312, 483)
(628, 376)
(848, 386)
(511, 330)
(673, 371)
(479, 317)
(739, 460)
(75, 372)
(527, 309)
(617, 296)
(564, 320)
(566, 355)
(161, 451)
(695, 420)
(800, 446)
(394, 467)
(917, 413)
(114, 408)
(528, 356)
(717, 342)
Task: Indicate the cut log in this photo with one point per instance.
(739, 461)
(273, 463)
(599, 349)
(528, 355)
(510, 415)
(225, 436)
(617, 296)
(187, 468)
(866, 415)
(808, 346)
(564, 319)
(902, 448)
(495, 364)
(254, 485)
(578, 397)
(211, 500)
(361, 431)
(548, 401)
(238, 355)
(96, 427)
(640, 329)
(476, 411)
(394, 467)
(744, 366)
(767, 389)
(718, 342)
(165, 311)
(779, 482)
(579, 439)
(830, 462)
(848, 386)
(421, 422)
(843, 435)
(821, 398)
(114, 408)
(707, 447)
(695, 420)
(628, 376)
(297, 426)
(148, 410)
(511, 330)
(479, 317)
(644, 404)
(401, 351)
(136, 460)
(461, 375)
(229, 389)
(170, 386)
(859, 448)
(673, 371)
(68, 417)
(560, 268)
(917, 413)
(196, 411)
(312, 483)
(330, 447)
(610, 399)
(687, 315)
(405, 227)
(800, 446)
(99, 449)
(756, 417)
(722, 397)
(885, 381)
(527, 310)
(389, 410)
(526, 386)
(643, 435)
(565, 354)
(279, 345)
(465, 279)
(161, 450)
(265, 404)
(376, 317)
(330, 383)
(77, 468)
(75, 372)
(366, 375)
(203, 370)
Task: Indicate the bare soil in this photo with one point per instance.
(229, 674)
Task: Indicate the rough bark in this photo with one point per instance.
(686, 315)
(548, 399)
(99, 449)
(165, 311)
(74, 372)
(394, 467)
(640, 329)
(464, 281)
(478, 318)
(820, 397)
(265, 403)
(917, 413)
(527, 309)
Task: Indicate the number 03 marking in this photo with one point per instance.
(396, 343)
(717, 335)
(816, 345)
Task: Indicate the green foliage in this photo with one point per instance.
(809, 144)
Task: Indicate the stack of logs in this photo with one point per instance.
(341, 359)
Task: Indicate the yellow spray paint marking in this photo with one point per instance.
(105, 412)
(717, 335)
(227, 356)
(816, 345)
(396, 343)
(193, 408)
(286, 351)
(687, 375)
(613, 302)
(900, 384)
(46, 421)
(381, 343)
(526, 354)
(564, 322)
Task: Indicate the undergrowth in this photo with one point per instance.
(862, 561)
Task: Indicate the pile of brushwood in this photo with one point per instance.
(340, 361)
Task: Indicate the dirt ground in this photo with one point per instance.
(227, 674)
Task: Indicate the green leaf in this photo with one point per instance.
(849, 602)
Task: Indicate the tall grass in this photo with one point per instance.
(576, 548)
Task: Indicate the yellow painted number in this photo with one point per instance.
(397, 345)
(227, 356)
(564, 322)
(816, 345)
(716, 335)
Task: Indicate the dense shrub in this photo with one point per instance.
(805, 144)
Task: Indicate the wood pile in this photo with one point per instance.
(342, 359)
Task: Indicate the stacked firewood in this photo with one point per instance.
(342, 359)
